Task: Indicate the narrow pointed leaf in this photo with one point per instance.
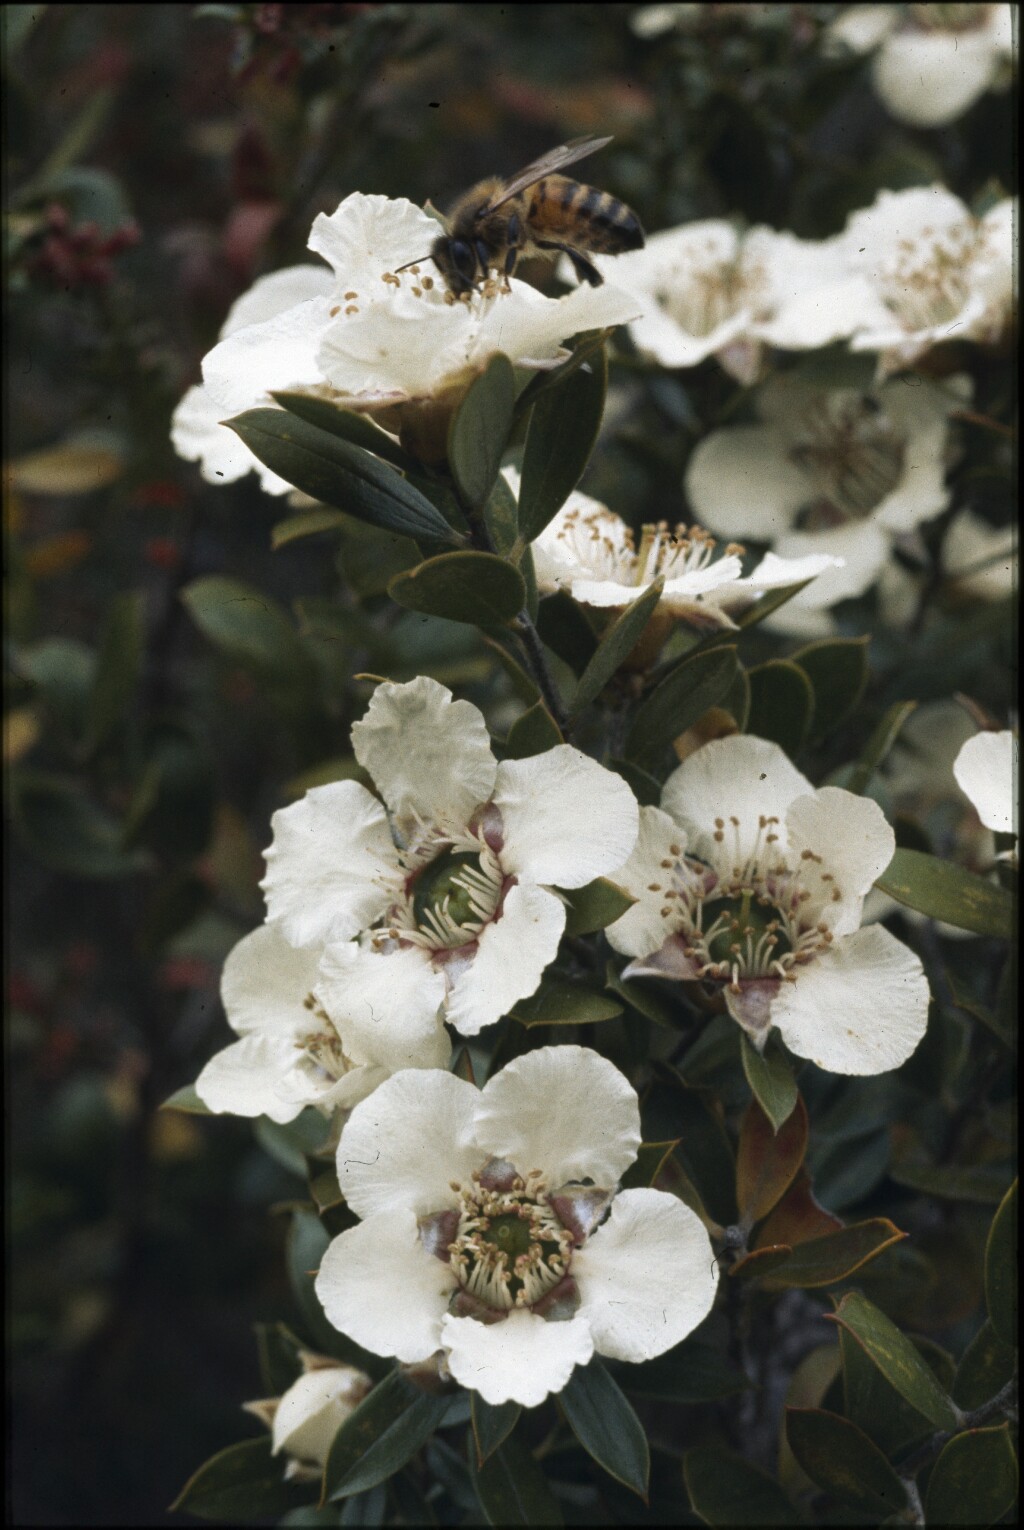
(725, 1489)
(896, 1358)
(1001, 1269)
(512, 1488)
(187, 1100)
(566, 631)
(559, 440)
(471, 587)
(615, 647)
(680, 700)
(771, 1078)
(606, 1426)
(974, 1481)
(279, 1352)
(333, 470)
(840, 1458)
(879, 744)
(358, 429)
(595, 906)
(308, 524)
(492, 1425)
(479, 430)
(945, 891)
(533, 733)
(383, 1433)
(767, 1161)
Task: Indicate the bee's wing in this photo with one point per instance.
(554, 159)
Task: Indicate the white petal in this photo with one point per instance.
(429, 756)
(247, 365)
(740, 777)
(368, 235)
(860, 28)
(773, 572)
(276, 293)
(197, 435)
(404, 1145)
(986, 769)
(265, 983)
(378, 1285)
(566, 820)
(402, 347)
(527, 329)
(244, 1079)
(741, 482)
(822, 313)
(565, 1110)
(860, 551)
(851, 844)
(647, 1276)
(332, 866)
(661, 338)
(386, 1008)
(520, 1360)
(511, 956)
(981, 558)
(931, 78)
(860, 1008)
(644, 928)
(313, 1409)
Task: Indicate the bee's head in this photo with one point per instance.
(456, 261)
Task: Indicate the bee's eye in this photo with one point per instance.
(463, 258)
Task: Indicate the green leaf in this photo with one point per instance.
(346, 424)
(770, 601)
(561, 435)
(240, 1483)
(979, 1182)
(68, 832)
(879, 744)
(247, 624)
(945, 891)
(615, 646)
(288, 1142)
(986, 1365)
(389, 1426)
(680, 700)
(691, 1372)
(304, 1248)
(280, 1357)
(587, 345)
(838, 671)
(308, 524)
(595, 906)
(897, 1359)
(472, 587)
(501, 516)
(875, 1406)
(564, 629)
(642, 997)
(770, 1076)
(65, 672)
(533, 733)
(559, 1002)
(118, 666)
(645, 787)
(840, 1458)
(974, 1481)
(480, 429)
(334, 471)
(836, 1256)
(651, 1158)
(767, 1159)
(187, 1100)
(781, 704)
(725, 1489)
(492, 1424)
(511, 1487)
(606, 1426)
(1000, 1269)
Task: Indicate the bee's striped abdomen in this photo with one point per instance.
(584, 216)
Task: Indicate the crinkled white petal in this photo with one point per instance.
(378, 1285)
(313, 1409)
(404, 348)
(533, 327)
(741, 482)
(332, 868)
(644, 928)
(368, 235)
(247, 365)
(386, 1007)
(265, 984)
(522, 1359)
(404, 1145)
(565, 1110)
(986, 769)
(509, 961)
(197, 435)
(646, 1277)
(860, 1007)
(741, 777)
(859, 552)
(847, 843)
(929, 78)
(244, 1079)
(566, 820)
(429, 756)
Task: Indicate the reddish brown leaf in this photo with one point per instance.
(797, 1217)
(825, 1261)
(767, 1162)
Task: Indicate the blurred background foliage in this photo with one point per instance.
(159, 158)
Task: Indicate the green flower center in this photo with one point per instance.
(443, 890)
(745, 929)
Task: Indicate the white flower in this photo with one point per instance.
(295, 1048)
(368, 337)
(932, 61)
(749, 880)
(484, 1233)
(986, 770)
(304, 1420)
(447, 885)
(589, 551)
(929, 272)
(980, 560)
(709, 290)
(831, 470)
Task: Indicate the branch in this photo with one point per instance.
(534, 651)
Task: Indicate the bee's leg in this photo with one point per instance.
(514, 232)
(483, 257)
(585, 272)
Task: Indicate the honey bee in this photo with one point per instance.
(537, 211)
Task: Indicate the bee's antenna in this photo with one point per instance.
(413, 262)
